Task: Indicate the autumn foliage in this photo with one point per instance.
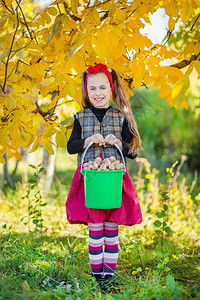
(44, 51)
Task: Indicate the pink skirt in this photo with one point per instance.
(77, 213)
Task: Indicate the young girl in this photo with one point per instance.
(104, 125)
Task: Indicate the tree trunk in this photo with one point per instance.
(48, 164)
(7, 178)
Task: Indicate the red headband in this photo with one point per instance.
(94, 70)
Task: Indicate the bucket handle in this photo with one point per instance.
(90, 144)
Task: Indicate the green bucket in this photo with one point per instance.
(103, 189)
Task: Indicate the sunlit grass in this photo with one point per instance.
(55, 264)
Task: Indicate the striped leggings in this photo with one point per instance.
(106, 233)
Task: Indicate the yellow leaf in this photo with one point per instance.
(48, 147)
(120, 14)
(188, 51)
(46, 17)
(117, 52)
(67, 22)
(10, 103)
(1, 111)
(61, 139)
(139, 75)
(26, 138)
(49, 131)
(184, 104)
(38, 124)
(197, 66)
(53, 102)
(3, 55)
(51, 10)
(197, 2)
(70, 90)
(35, 145)
(172, 9)
(197, 48)
(93, 17)
(97, 46)
(186, 7)
(171, 23)
(13, 152)
(153, 66)
(148, 78)
(8, 3)
(2, 160)
(174, 74)
(74, 5)
(47, 81)
(180, 89)
(165, 90)
(62, 128)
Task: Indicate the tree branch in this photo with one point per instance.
(22, 47)
(184, 63)
(58, 8)
(98, 5)
(4, 4)
(25, 23)
(40, 111)
(195, 21)
(10, 50)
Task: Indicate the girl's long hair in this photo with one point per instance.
(121, 101)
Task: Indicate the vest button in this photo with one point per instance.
(103, 125)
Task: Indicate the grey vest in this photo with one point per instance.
(111, 124)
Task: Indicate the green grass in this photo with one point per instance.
(54, 264)
(57, 266)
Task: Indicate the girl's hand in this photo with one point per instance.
(111, 139)
(97, 138)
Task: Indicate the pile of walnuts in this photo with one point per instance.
(104, 164)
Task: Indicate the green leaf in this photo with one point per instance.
(164, 194)
(139, 243)
(43, 204)
(4, 226)
(35, 221)
(158, 232)
(165, 207)
(158, 247)
(164, 224)
(167, 269)
(32, 181)
(167, 229)
(40, 170)
(160, 254)
(157, 223)
(160, 266)
(166, 260)
(159, 215)
(166, 242)
(166, 254)
(170, 282)
(32, 166)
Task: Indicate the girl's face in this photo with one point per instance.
(99, 90)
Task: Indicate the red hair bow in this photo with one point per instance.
(94, 70)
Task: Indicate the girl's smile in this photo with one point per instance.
(99, 90)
